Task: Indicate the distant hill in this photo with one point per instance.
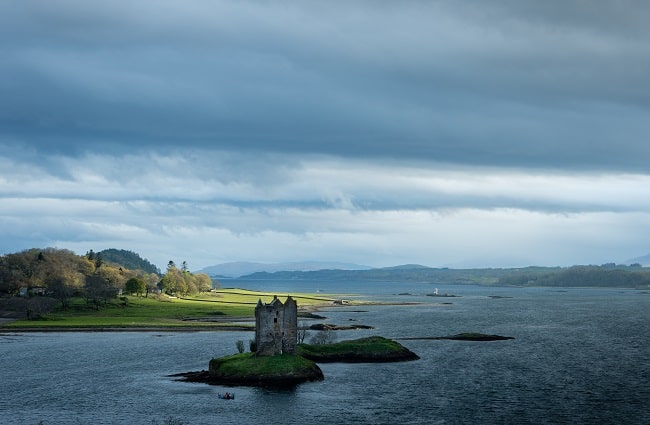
(401, 273)
(644, 261)
(128, 259)
(238, 269)
(607, 275)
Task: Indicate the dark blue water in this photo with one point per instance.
(581, 356)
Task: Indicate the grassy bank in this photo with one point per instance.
(218, 309)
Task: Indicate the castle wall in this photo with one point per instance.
(276, 327)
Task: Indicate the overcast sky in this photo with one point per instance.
(444, 133)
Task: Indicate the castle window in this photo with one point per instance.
(275, 320)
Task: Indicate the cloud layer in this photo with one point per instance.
(214, 207)
(445, 133)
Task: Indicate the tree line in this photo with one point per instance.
(606, 275)
(62, 275)
(181, 281)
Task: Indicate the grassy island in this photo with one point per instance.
(249, 369)
(289, 370)
(370, 349)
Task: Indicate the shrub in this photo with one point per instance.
(323, 337)
(240, 346)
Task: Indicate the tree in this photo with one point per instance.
(150, 282)
(99, 290)
(115, 276)
(182, 281)
(61, 291)
(323, 337)
(203, 282)
(172, 282)
(302, 333)
(135, 285)
(61, 271)
(39, 305)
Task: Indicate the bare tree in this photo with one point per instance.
(302, 332)
(325, 336)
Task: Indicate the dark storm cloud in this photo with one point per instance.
(467, 132)
(552, 84)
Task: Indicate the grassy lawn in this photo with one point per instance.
(220, 307)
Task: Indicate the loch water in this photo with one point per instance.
(580, 356)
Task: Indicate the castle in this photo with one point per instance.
(276, 327)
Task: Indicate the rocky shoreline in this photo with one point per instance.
(275, 381)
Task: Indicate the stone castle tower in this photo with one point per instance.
(276, 327)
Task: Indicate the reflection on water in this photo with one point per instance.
(580, 356)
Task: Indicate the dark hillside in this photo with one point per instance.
(128, 259)
(606, 275)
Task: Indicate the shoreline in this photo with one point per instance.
(44, 329)
(181, 328)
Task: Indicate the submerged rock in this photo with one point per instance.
(473, 336)
(466, 336)
(330, 327)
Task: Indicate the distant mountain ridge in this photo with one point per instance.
(607, 275)
(242, 268)
(644, 260)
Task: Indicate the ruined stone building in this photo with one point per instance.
(276, 327)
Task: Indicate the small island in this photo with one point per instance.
(372, 349)
(465, 336)
(278, 360)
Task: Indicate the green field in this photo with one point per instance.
(217, 309)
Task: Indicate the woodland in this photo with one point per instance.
(52, 277)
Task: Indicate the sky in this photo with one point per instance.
(449, 134)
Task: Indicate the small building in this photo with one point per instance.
(32, 291)
(276, 326)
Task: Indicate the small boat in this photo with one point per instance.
(226, 396)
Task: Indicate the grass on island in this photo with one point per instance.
(362, 349)
(371, 344)
(215, 309)
(247, 364)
